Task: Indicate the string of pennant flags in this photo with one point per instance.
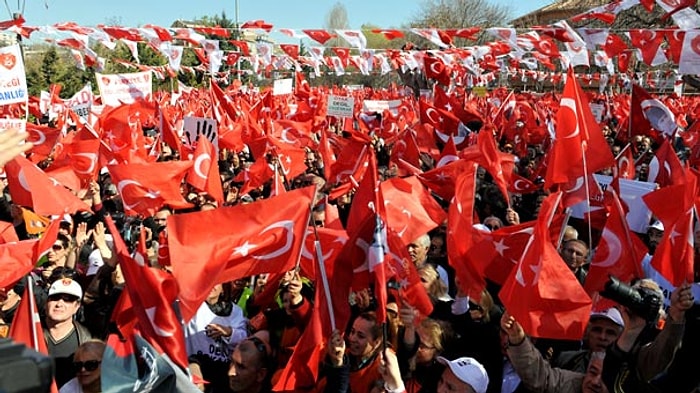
(528, 54)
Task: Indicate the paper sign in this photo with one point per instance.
(194, 127)
(340, 106)
(380, 106)
(116, 89)
(13, 80)
(282, 86)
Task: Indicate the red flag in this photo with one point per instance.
(674, 257)
(521, 185)
(152, 292)
(647, 41)
(436, 69)
(625, 164)
(461, 235)
(647, 112)
(268, 239)
(204, 173)
(320, 36)
(665, 168)
(145, 188)
(43, 138)
(579, 139)
(442, 180)
(448, 153)
(31, 187)
(619, 252)
(541, 292)
(410, 209)
(614, 45)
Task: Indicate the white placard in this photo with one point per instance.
(13, 80)
(118, 89)
(193, 127)
(341, 106)
(282, 86)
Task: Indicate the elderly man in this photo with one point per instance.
(418, 251)
(575, 253)
(463, 375)
(250, 367)
(62, 333)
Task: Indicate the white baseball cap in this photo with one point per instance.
(611, 314)
(66, 286)
(469, 371)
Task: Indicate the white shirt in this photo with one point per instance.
(72, 386)
(198, 342)
(666, 286)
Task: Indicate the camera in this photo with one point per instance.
(23, 370)
(642, 302)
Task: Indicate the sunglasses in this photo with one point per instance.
(88, 365)
(57, 247)
(475, 307)
(63, 296)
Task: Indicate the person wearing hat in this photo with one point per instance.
(604, 328)
(62, 333)
(655, 232)
(464, 374)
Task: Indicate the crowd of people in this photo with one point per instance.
(241, 339)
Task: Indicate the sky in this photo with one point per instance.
(294, 14)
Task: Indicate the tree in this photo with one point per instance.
(445, 14)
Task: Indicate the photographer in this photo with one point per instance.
(630, 364)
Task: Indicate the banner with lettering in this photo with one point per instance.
(13, 80)
(117, 89)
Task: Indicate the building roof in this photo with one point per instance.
(557, 10)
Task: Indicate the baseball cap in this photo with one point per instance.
(611, 314)
(469, 371)
(656, 225)
(66, 286)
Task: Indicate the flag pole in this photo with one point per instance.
(32, 306)
(588, 199)
(324, 277)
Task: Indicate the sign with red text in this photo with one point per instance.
(117, 89)
(13, 80)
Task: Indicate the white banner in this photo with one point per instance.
(381, 105)
(282, 86)
(341, 106)
(13, 124)
(631, 192)
(116, 89)
(13, 80)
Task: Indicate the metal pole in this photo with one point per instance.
(238, 37)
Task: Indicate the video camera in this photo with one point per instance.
(23, 370)
(642, 302)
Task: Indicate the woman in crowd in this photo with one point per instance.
(87, 362)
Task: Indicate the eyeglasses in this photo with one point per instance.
(88, 365)
(57, 247)
(63, 296)
(493, 227)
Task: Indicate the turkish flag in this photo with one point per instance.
(648, 112)
(318, 35)
(675, 39)
(204, 173)
(410, 209)
(31, 187)
(625, 164)
(665, 168)
(7, 233)
(152, 293)
(674, 255)
(442, 180)
(689, 60)
(400, 267)
(43, 138)
(331, 242)
(436, 69)
(521, 185)
(614, 45)
(254, 176)
(541, 292)
(647, 41)
(204, 251)
(168, 134)
(301, 371)
(461, 235)
(145, 188)
(351, 163)
(578, 138)
(619, 252)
